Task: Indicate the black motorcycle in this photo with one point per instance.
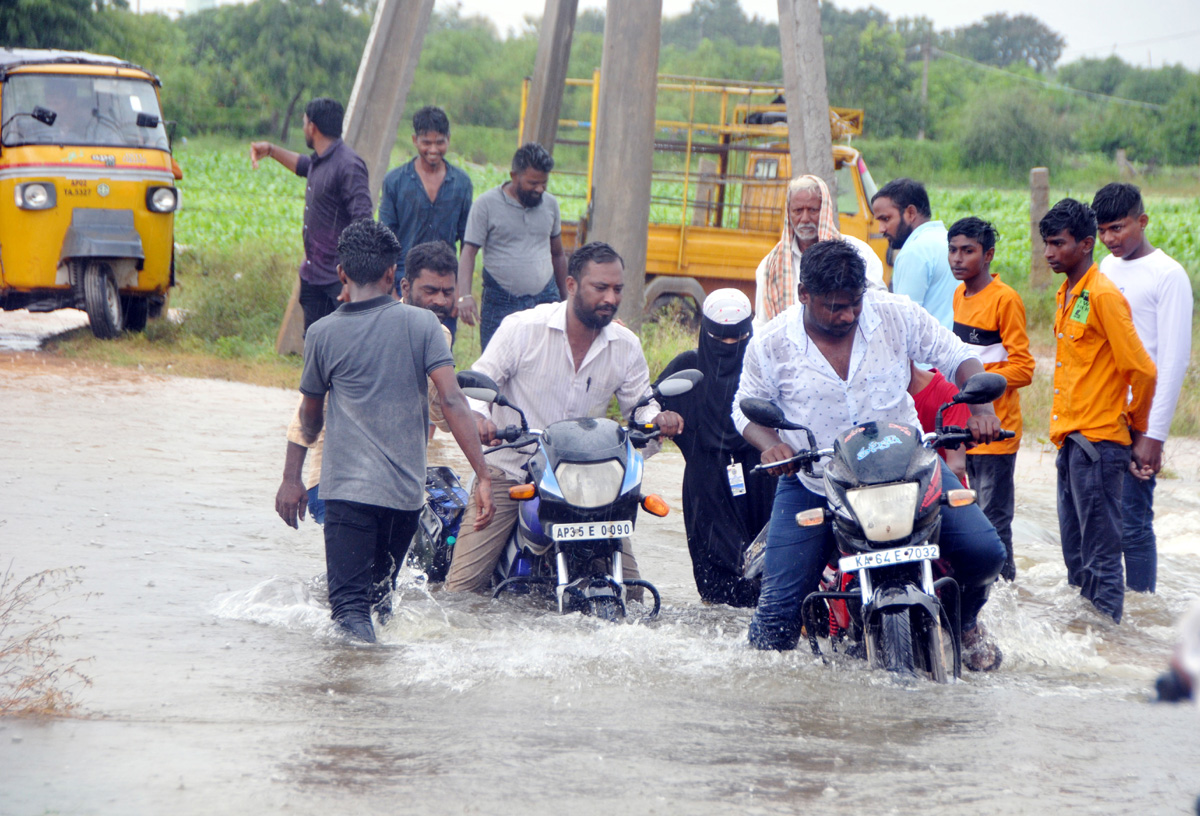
(885, 597)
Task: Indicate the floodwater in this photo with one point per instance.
(218, 686)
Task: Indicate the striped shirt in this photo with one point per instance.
(785, 366)
(529, 357)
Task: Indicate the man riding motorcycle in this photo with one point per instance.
(838, 358)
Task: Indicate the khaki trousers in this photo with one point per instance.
(477, 551)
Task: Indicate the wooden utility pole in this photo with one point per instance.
(549, 73)
(1039, 205)
(925, 49)
(810, 141)
(625, 140)
(373, 113)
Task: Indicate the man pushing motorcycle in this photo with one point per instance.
(557, 361)
(837, 358)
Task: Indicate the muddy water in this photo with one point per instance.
(218, 687)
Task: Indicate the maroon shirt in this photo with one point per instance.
(336, 194)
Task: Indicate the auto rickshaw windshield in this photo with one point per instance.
(89, 110)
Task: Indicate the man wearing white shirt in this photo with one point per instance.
(555, 361)
(838, 358)
(807, 218)
(1159, 292)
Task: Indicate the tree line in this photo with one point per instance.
(992, 92)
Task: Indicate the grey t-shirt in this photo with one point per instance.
(515, 239)
(372, 357)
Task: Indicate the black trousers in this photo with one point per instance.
(1089, 521)
(991, 477)
(365, 546)
(318, 301)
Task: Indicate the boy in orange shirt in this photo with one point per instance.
(1099, 360)
(990, 317)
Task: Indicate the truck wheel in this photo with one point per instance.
(136, 310)
(102, 301)
(896, 642)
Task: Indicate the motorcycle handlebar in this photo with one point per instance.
(802, 458)
(640, 437)
(953, 437)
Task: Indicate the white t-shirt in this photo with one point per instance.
(874, 277)
(1159, 292)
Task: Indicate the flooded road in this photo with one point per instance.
(219, 688)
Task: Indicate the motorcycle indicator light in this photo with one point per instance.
(811, 518)
(523, 492)
(960, 498)
(655, 505)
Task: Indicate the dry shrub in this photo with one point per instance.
(35, 680)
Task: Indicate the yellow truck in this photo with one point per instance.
(720, 180)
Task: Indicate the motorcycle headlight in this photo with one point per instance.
(591, 484)
(885, 513)
(35, 195)
(162, 199)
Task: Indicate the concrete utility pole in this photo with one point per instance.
(385, 74)
(549, 73)
(803, 49)
(373, 114)
(1039, 205)
(625, 140)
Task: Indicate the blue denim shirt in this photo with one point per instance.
(922, 271)
(407, 211)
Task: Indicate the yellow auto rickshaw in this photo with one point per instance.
(87, 188)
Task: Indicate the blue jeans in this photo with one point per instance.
(1137, 534)
(795, 557)
(1089, 521)
(316, 505)
(499, 303)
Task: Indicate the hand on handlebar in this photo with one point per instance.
(779, 453)
(984, 428)
(669, 423)
(488, 434)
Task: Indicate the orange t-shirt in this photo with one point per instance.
(1099, 361)
(992, 323)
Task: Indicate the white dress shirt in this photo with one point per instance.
(529, 357)
(1159, 292)
(785, 366)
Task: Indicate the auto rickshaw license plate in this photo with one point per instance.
(591, 530)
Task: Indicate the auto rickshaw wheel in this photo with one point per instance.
(102, 300)
(136, 310)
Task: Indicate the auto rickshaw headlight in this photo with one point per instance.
(35, 195)
(162, 199)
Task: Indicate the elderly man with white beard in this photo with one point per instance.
(807, 218)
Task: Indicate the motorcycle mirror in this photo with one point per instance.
(983, 387)
(766, 413)
(44, 115)
(679, 383)
(478, 386)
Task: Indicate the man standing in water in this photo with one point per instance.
(1103, 387)
(371, 357)
(1159, 292)
(336, 194)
